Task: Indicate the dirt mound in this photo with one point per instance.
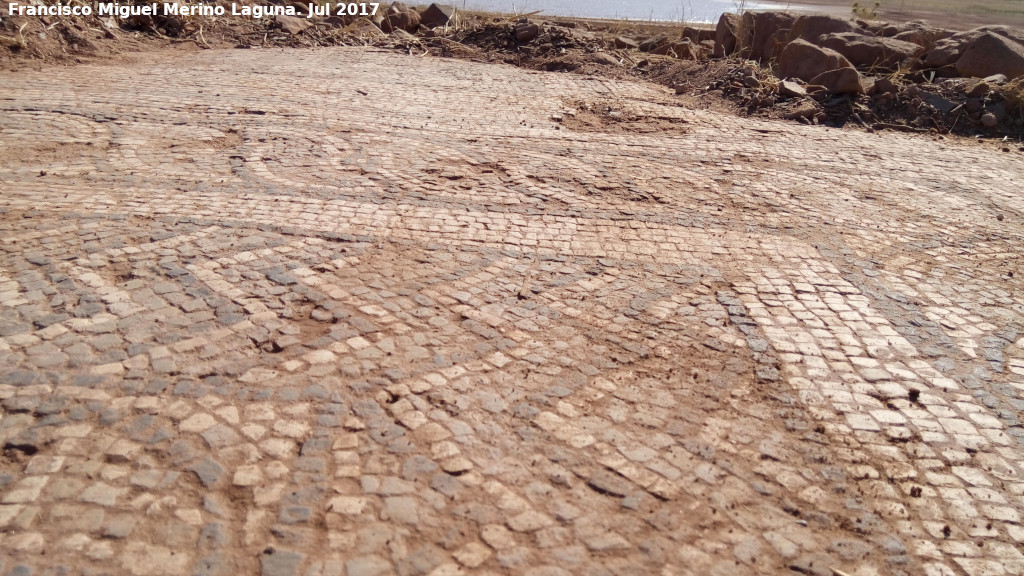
(904, 100)
(26, 40)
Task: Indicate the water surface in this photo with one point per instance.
(669, 10)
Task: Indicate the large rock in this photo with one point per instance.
(920, 33)
(626, 43)
(884, 86)
(763, 34)
(886, 31)
(654, 42)
(810, 28)
(840, 81)
(408, 22)
(399, 19)
(683, 49)
(945, 53)
(870, 51)
(791, 89)
(948, 51)
(992, 54)
(876, 28)
(437, 15)
(698, 35)
(392, 10)
(526, 32)
(291, 24)
(725, 34)
(803, 60)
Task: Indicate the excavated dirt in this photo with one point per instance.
(937, 108)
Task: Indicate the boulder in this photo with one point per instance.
(683, 49)
(948, 51)
(626, 43)
(810, 28)
(725, 34)
(1015, 34)
(408, 20)
(920, 33)
(884, 86)
(803, 60)
(791, 89)
(654, 42)
(979, 90)
(526, 32)
(804, 109)
(875, 28)
(840, 81)
(944, 53)
(924, 38)
(698, 35)
(291, 24)
(763, 34)
(991, 54)
(687, 50)
(938, 102)
(437, 15)
(870, 51)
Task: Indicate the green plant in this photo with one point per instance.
(865, 12)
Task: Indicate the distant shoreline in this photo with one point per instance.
(838, 8)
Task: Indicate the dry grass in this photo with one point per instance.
(17, 42)
(1013, 95)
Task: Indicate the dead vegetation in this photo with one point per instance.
(1013, 95)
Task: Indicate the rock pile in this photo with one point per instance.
(912, 65)
(822, 65)
(814, 68)
(871, 49)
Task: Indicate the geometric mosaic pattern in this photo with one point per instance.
(349, 312)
